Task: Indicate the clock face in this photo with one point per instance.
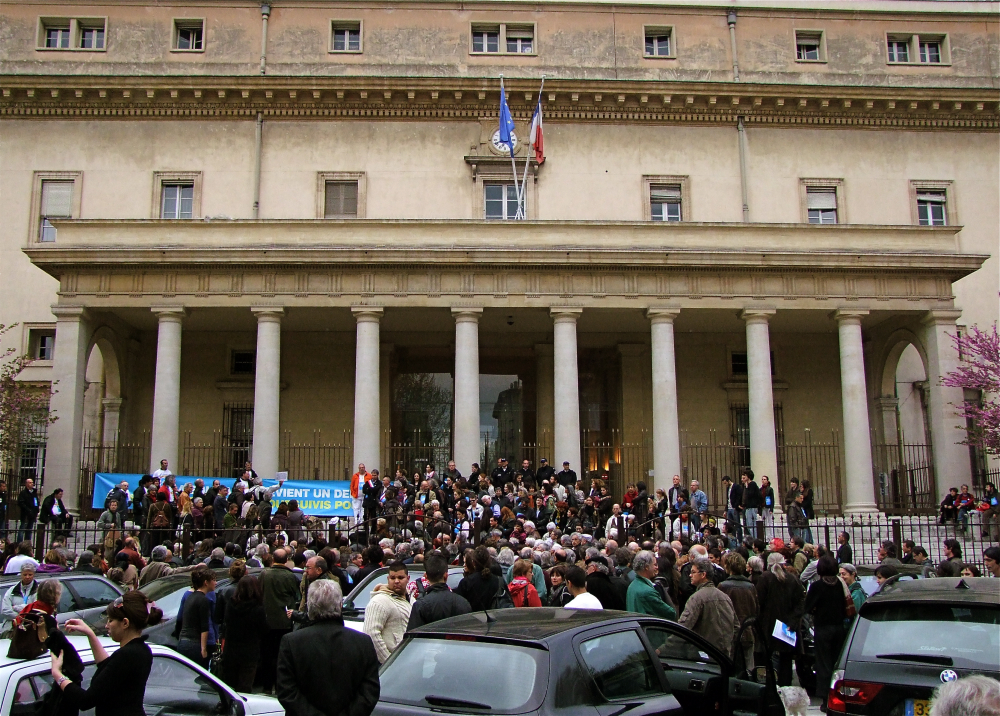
(501, 147)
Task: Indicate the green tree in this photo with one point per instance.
(23, 406)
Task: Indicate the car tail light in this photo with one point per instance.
(844, 692)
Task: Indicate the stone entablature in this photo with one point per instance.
(338, 262)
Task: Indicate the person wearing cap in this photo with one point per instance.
(22, 593)
(567, 478)
(544, 471)
(849, 573)
(502, 473)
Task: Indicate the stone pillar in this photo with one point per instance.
(544, 400)
(763, 451)
(566, 390)
(366, 388)
(167, 388)
(952, 467)
(666, 429)
(466, 438)
(267, 392)
(69, 369)
(854, 394)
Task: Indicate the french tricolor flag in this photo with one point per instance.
(535, 135)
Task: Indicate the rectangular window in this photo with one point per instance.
(189, 35)
(242, 362)
(930, 51)
(485, 39)
(177, 201)
(809, 46)
(621, 666)
(665, 202)
(346, 37)
(899, 49)
(659, 41)
(520, 39)
(501, 201)
(41, 344)
(57, 203)
(57, 37)
(341, 199)
(932, 208)
(822, 205)
(92, 38)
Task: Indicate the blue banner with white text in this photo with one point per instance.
(319, 498)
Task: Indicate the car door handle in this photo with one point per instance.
(696, 685)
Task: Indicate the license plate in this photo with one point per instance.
(918, 707)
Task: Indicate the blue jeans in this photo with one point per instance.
(733, 518)
(750, 515)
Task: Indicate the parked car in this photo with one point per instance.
(84, 596)
(176, 686)
(566, 661)
(361, 594)
(910, 638)
(167, 592)
(907, 572)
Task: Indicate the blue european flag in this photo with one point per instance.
(506, 122)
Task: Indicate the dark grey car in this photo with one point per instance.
(84, 596)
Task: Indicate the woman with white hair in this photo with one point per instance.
(974, 695)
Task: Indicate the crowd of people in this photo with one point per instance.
(521, 538)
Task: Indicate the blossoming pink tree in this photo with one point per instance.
(21, 404)
(980, 370)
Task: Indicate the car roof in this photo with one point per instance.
(962, 590)
(410, 568)
(533, 624)
(9, 579)
(80, 642)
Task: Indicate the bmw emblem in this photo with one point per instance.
(948, 675)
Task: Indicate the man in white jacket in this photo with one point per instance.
(388, 612)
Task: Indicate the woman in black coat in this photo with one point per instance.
(119, 684)
(480, 585)
(245, 622)
(780, 596)
(827, 602)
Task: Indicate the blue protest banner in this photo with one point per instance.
(319, 498)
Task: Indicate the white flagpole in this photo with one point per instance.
(513, 164)
(524, 195)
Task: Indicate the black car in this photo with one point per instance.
(574, 662)
(910, 638)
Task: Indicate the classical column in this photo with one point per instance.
(366, 388)
(763, 452)
(666, 429)
(544, 400)
(69, 369)
(854, 394)
(267, 391)
(167, 388)
(466, 438)
(566, 390)
(952, 467)
(112, 409)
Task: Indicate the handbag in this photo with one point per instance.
(28, 638)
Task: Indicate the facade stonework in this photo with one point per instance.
(333, 291)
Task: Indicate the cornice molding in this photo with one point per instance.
(275, 97)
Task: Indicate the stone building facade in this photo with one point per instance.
(282, 231)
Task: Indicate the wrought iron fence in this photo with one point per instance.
(905, 481)
(819, 463)
(607, 456)
(412, 452)
(121, 456)
(317, 460)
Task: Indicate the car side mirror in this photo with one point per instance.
(236, 707)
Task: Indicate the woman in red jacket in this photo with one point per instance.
(522, 591)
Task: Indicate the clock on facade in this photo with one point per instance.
(501, 147)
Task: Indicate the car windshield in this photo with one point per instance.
(422, 673)
(966, 634)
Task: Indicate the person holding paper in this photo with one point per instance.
(781, 598)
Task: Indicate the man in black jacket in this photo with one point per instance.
(567, 478)
(309, 681)
(544, 472)
(438, 601)
(751, 500)
(371, 492)
(734, 505)
(27, 502)
(599, 584)
(527, 475)
(54, 512)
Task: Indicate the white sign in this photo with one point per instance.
(784, 632)
(281, 476)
